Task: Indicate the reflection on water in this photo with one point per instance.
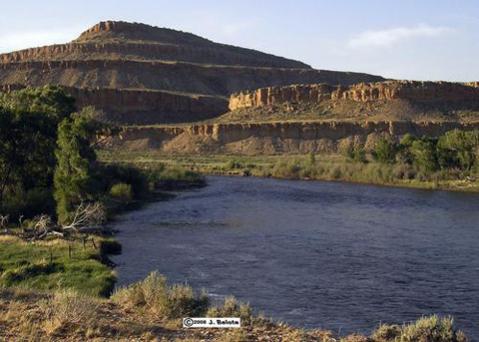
(315, 254)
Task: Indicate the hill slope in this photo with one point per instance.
(118, 59)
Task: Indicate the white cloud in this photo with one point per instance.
(22, 40)
(388, 37)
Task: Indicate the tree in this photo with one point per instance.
(27, 142)
(424, 155)
(51, 101)
(28, 130)
(385, 151)
(458, 149)
(74, 181)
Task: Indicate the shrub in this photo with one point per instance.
(432, 329)
(233, 164)
(358, 154)
(122, 192)
(424, 155)
(115, 174)
(385, 151)
(386, 332)
(293, 169)
(154, 295)
(66, 307)
(232, 308)
(458, 149)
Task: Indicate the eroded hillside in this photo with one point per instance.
(390, 100)
(318, 118)
(119, 59)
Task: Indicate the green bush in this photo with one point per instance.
(424, 155)
(233, 164)
(290, 169)
(458, 149)
(122, 192)
(385, 151)
(116, 174)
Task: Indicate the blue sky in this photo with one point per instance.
(406, 39)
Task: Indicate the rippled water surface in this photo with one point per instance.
(315, 254)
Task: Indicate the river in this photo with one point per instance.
(338, 256)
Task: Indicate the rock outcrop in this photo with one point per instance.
(421, 92)
(137, 57)
(272, 138)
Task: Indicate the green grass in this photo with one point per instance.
(329, 167)
(48, 266)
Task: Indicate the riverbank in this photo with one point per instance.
(326, 167)
(60, 315)
(81, 263)
(68, 316)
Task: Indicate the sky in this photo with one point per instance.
(402, 39)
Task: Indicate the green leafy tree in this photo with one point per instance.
(51, 101)
(27, 142)
(385, 151)
(404, 154)
(28, 130)
(458, 149)
(74, 174)
(424, 155)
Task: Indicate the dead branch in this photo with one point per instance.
(4, 221)
(87, 217)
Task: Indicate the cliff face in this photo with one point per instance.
(130, 56)
(148, 107)
(183, 77)
(273, 138)
(424, 92)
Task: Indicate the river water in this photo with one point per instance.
(339, 256)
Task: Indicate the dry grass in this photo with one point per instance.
(232, 308)
(428, 329)
(69, 316)
(155, 296)
(68, 309)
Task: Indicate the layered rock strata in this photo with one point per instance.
(272, 138)
(120, 55)
(422, 92)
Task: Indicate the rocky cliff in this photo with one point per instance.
(424, 92)
(131, 56)
(272, 138)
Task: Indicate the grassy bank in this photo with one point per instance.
(329, 167)
(55, 264)
(152, 310)
(79, 261)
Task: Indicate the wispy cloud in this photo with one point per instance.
(22, 40)
(388, 37)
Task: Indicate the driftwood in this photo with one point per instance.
(87, 218)
(4, 221)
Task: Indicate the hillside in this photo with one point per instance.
(119, 61)
(386, 101)
(318, 118)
